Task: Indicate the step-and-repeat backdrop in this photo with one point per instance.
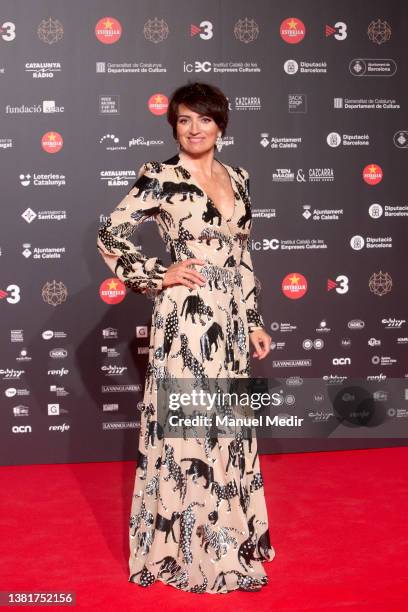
(318, 101)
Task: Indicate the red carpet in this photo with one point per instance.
(338, 522)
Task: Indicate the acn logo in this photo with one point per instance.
(341, 361)
(21, 429)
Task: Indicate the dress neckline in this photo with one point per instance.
(227, 167)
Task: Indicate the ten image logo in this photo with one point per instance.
(108, 30)
(292, 30)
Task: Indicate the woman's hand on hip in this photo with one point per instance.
(181, 273)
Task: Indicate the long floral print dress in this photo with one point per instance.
(198, 517)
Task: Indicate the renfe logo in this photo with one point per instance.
(62, 427)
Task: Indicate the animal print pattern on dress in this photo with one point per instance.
(219, 540)
(198, 518)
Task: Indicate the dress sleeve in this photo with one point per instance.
(138, 272)
(250, 289)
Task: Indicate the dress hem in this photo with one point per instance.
(263, 583)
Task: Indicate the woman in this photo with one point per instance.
(198, 517)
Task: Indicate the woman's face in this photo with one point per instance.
(196, 133)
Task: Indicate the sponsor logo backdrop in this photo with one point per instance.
(318, 98)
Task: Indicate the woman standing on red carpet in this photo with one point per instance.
(198, 517)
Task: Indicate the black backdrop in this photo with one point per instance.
(318, 98)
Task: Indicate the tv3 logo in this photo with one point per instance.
(205, 30)
(12, 294)
(341, 284)
(339, 30)
(8, 31)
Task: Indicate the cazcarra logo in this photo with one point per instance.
(58, 353)
(19, 429)
(341, 361)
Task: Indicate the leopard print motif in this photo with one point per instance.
(224, 492)
(219, 541)
(187, 521)
(197, 501)
(175, 471)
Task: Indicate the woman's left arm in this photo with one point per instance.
(259, 337)
(249, 286)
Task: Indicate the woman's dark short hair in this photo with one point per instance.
(202, 98)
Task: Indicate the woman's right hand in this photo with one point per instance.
(180, 274)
